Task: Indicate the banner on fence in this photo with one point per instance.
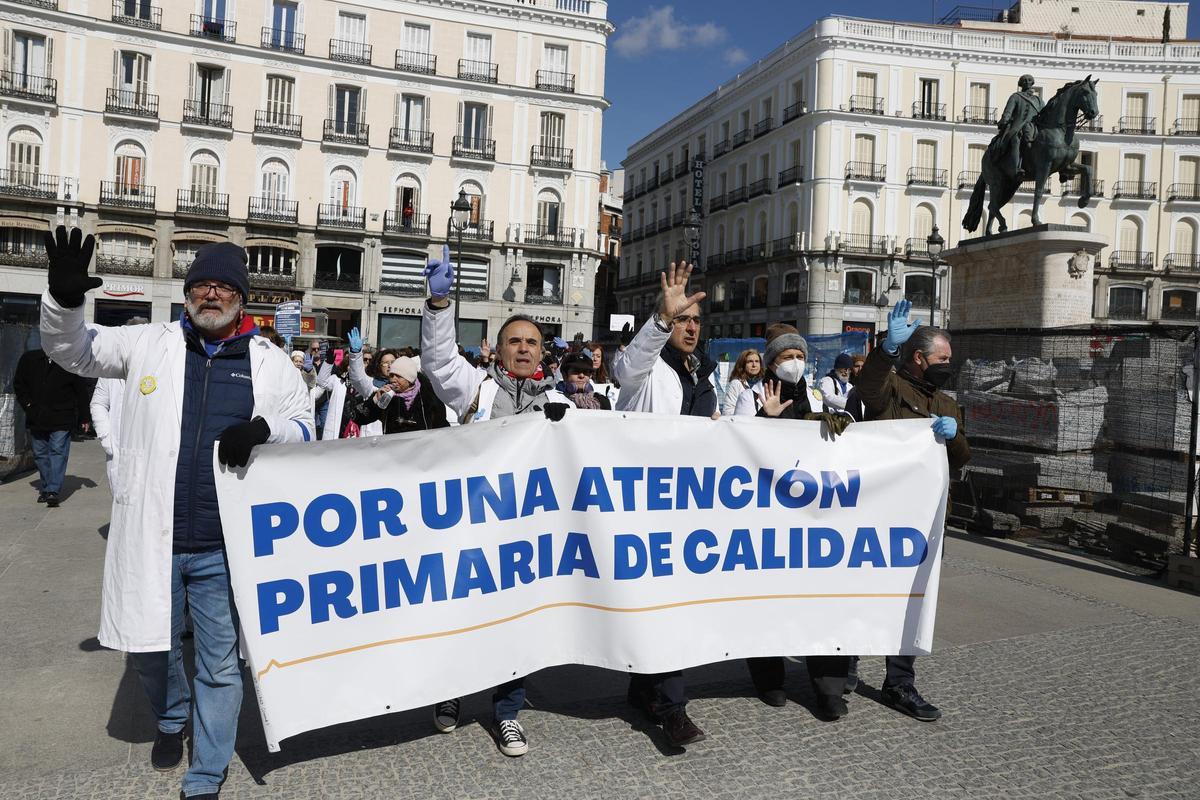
(376, 575)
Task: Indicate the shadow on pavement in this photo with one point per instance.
(1053, 557)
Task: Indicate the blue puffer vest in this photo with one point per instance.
(218, 392)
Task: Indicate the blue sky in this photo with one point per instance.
(665, 56)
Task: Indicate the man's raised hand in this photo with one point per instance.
(900, 330)
(68, 258)
(675, 299)
(440, 274)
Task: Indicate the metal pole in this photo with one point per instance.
(458, 289)
(933, 295)
(1189, 519)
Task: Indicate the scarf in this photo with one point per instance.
(582, 398)
(518, 395)
(411, 394)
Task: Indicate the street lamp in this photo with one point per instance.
(460, 212)
(934, 243)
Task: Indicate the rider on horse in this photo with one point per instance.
(1017, 128)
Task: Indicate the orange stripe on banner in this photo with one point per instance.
(405, 639)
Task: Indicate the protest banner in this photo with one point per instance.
(376, 575)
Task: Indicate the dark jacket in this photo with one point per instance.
(426, 413)
(699, 395)
(891, 393)
(800, 408)
(52, 398)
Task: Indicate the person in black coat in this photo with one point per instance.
(577, 371)
(408, 401)
(54, 402)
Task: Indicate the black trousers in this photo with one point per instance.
(664, 690)
(901, 670)
(828, 673)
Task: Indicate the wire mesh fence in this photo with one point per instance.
(1083, 436)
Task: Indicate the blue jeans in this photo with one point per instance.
(50, 451)
(204, 579)
(508, 699)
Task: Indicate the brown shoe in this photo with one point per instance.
(680, 729)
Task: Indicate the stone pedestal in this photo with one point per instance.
(1039, 277)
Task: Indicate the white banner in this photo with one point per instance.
(376, 575)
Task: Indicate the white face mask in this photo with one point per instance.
(790, 371)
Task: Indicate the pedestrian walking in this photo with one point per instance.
(54, 402)
(107, 400)
(747, 374)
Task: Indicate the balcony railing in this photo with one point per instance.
(721, 148)
(550, 236)
(552, 157)
(967, 178)
(1094, 125)
(1029, 187)
(794, 111)
(1179, 313)
(794, 174)
(763, 126)
(408, 140)
(127, 195)
(741, 137)
(682, 168)
(552, 81)
(1186, 127)
(1182, 262)
(414, 224)
(760, 187)
(470, 147)
(1143, 125)
(1126, 312)
(652, 183)
(1131, 259)
(739, 195)
(342, 131)
(273, 211)
(978, 115)
(264, 279)
(201, 203)
(739, 255)
(718, 203)
(715, 260)
(51, 5)
(131, 103)
(283, 39)
(401, 287)
(544, 298)
(785, 245)
(34, 258)
(866, 171)
(678, 218)
(224, 30)
(336, 215)
(1136, 190)
(916, 248)
(277, 124)
(125, 265)
(214, 115)
(137, 14)
(28, 87)
(349, 52)
(924, 110)
(337, 284)
(1075, 187)
(478, 71)
(416, 61)
(863, 243)
(478, 231)
(29, 183)
(865, 104)
(926, 176)
(1183, 191)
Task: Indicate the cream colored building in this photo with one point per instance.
(829, 161)
(329, 138)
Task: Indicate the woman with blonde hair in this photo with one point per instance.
(746, 375)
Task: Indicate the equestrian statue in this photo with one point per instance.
(1033, 142)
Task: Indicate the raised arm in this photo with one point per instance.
(454, 381)
(359, 380)
(876, 383)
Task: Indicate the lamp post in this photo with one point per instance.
(934, 243)
(460, 212)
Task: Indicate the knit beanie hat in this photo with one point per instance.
(843, 361)
(404, 367)
(224, 262)
(782, 337)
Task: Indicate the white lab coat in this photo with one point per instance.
(746, 406)
(647, 382)
(106, 422)
(833, 394)
(135, 610)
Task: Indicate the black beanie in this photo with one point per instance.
(224, 262)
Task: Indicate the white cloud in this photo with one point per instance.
(735, 56)
(659, 30)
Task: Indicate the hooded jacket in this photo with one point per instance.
(52, 398)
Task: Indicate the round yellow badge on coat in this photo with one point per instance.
(817, 393)
(147, 384)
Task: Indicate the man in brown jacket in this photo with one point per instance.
(902, 379)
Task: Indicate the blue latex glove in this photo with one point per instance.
(899, 328)
(440, 274)
(355, 339)
(945, 427)
(560, 343)
(308, 362)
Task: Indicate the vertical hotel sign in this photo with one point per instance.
(697, 203)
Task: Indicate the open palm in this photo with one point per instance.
(675, 299)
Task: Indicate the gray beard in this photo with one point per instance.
(209, 323)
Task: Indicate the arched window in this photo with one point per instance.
(130, 172)
(407, 209)
(791, 289)
(860, 288)
(740, 241)
(1126, 302)
(1082, 221)
(1185, 238)
(718, 297)
(720, 239)
(793, 218)
(275, 187)
(758, 297)
(1179, 304)
(24, 156)
(862, 218)
(342, 187)
(205, 177)
(476, 199)
(549, 208)
(1130, 238)
(762, 228)
(922, 227)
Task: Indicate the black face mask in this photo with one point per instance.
(937, 374)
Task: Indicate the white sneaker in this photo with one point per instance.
(445, 715)
(511, 738)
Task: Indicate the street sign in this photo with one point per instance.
(287, 319)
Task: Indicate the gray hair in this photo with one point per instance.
(923, 340)
(137, 321)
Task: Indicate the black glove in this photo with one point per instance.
(68, 266)
(237, 441)
(836, 424)
(626, 334)
(555, 411)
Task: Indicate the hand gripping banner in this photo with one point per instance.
(382, 574)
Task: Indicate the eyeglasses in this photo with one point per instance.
(684, 319)
(199, 291)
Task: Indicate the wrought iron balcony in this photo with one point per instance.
(1131, 259)
(863, 243)
(349, 52)
(1094, 125)
(865, 104)
(201, 203)
(978, 115)
(214, 115)
(137, 14)
(1075, 187)
(715, 260)
(741, 137)
(739, 195)
(51, 5)
(28, 87)
(283, 39)
(265, 279)
(1183, 313)
(337, 284)
(967, 178)
(1182, 262)
(739, 255)
(678, 218)
(1184, 191)
(402, 287)
(344, 131)
(794, 111)
(336, 215)
(477, 231)
(926, 176)
(785, 245)
(552, 157)
(1128, 312)
(682, 168)
(127, 195)
(273, 211)
(793, 174)
(760, 187)
(470, 147)
(416, 61)
(550, 235)
(1029, 187)
(652, 183)
(866, 171)
(277, 124)
(554, 81)
(1135, 190)
(34, 258)
(1143, 125)
(125, 265)
(721, 148)
(544, 298)
(1186, 127)
(924, 110)
(415, 224)
(478, 71)
(410, 140)
(916, 248)
(718, 203)
(29, 183)
(763, 126)
(131, 103)
(223, 30)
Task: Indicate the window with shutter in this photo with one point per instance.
(204, 183)
(975, 157)
(341, 188)
(927, 155)
(28, 57)
(24, 157)
(1190, 111)
(416, 38)
(553, 131)
(864, 149)
(275, 183)
(864, 84)
(548, 213)
(474, 125)
(1132, 167)
(1185, 237)
(1135, 106)
(1131, 235)
(1189, 173)
(862, 221)
(130, 168)
(479, 48)
(922, 223)
(280, 94)
(980, 96)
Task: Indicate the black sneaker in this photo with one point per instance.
(831, 707)
(510, 736)
(52, 499)
(167, 751)
(906, 699)
(680, 729)
(42, 496)
(445, 715)
(776, 698)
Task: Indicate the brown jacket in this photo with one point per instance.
(890, 394)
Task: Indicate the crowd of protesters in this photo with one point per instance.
(171, 392)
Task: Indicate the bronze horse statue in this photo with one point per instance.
(1054, 149)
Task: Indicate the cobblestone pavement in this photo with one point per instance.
(1058, 678)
